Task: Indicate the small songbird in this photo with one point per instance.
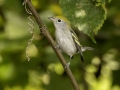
(66, 38)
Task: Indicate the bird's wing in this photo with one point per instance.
(78, 45)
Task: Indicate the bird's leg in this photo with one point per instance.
(58, 47)
(68, 64)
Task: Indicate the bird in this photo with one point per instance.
(67, 39)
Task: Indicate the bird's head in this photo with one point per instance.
(60, 22)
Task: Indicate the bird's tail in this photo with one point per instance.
(84, 48)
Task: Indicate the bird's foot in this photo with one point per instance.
(67, 65)
(58, 47)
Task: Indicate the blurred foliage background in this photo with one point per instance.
(44, 71)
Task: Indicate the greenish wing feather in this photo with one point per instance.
(78, 46)
(74, 36)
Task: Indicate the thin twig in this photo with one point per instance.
(44, 31)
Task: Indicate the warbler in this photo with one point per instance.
(66, 38)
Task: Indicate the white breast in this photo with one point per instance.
(65, 41)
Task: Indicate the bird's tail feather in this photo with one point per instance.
(80, 51)
(81, 55)
(84, 48)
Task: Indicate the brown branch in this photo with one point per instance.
(45, 32)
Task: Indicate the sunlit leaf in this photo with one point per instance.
(87, 15)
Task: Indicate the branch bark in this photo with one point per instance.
(44, 31)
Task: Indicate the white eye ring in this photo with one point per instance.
(59, 20)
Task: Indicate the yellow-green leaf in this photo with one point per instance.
(87, 15)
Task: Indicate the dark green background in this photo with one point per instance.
(44, 71)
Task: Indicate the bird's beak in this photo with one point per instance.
(51, 18)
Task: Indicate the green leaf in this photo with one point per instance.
(87, 15)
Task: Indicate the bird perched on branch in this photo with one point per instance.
(66, 38)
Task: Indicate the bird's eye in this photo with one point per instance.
(59, 20)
